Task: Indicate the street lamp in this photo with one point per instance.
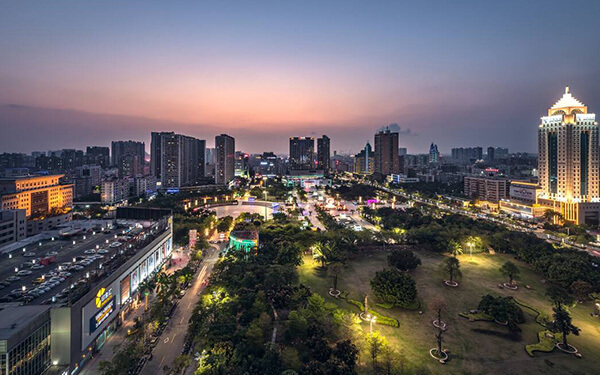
(372, 320)
(470, 244)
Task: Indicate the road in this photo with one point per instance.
(171, 342)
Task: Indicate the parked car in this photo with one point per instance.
(29, 254)
(51, 253)
(90, 251)
(103, 251)
(13, 278)
(37, 267)
(24, 273)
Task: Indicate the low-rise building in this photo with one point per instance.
(13, 226)
(491, 189)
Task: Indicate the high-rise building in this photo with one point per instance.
(268, 164)
(568, 161)
(402, 151)
(364, 161)
(467, 154)
(434, 154)
(242, 165)
(115, 190)
(386, 153)
(225, 163)
(128, 157)
(491, 154)
(97, 155)
(323, 153)
(176, 160)
(302, 153)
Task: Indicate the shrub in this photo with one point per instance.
(394, 287)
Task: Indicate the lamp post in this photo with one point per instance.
(372, 320)
(470, 244)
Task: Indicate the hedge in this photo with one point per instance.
(546, 344)
(381, 319)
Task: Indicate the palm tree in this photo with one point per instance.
(334, 271)
(451, 266)
(455, 248)
(552, 216)
(510, 270)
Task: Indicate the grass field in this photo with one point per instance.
(472, 352)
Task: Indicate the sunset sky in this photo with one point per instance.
(456, 73)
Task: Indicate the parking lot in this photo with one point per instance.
(55, 267)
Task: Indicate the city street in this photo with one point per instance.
(171, 342)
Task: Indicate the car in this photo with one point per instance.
(29, 254)
(51, 253)
(13, 278)
(37, 267)
(24, 273)
(39, 280)
(90, 251)
(27, 298)
(47, 301)
(66, 264)
(6, 299)
(5, 283)
(103, 251)
(65, 274)
(78, 268)
(17, 291)
(115, 244)
(29, 263)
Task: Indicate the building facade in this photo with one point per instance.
(491, 189)
(115, 190)
(128, 157)
(225, 163)
(386, 153)
(302, 153)
(13, 226)
(324, 153)
(364, 161)
(176, 160)
(39, 196)
(568, 161)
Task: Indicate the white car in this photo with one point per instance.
(115, 244)
(51, 253)
(103, 251)
(29, 254)
(90, 251)
(24, 273)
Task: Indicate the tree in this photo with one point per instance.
(510, 270)
(376, 345)
(552, 216)
(451, 267)
(334, 271)
(559, 296)
(438, 306)
(581, 289)
(403, 259)
(563, 324)
(395, 287)
(503, 309)
(455, 248)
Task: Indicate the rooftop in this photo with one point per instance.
(567, 101)
(14, 318)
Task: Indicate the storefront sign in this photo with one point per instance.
(101, 316)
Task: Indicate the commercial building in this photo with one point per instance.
(268, 164)
(225, 160)
(386, 153)
(176, 160)
(364, 161)
(128, 157)
(434, 154)
(39, 196)
(242, 165)
(302, 153)
(243, 240)
(13, 226)
(568, 161)
(490, 189)
(25, 340)
(522, 200)
(323, 153)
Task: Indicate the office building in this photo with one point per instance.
(434, 154)
(491, 154)
(386, 153)
(25, 340)
(490, 189)
(128, 157)
(176, 160)
(225, 159)
(302, 153)
(364, 161)
(568, 161)
(242, 165)
(39, 196)
(13, 226)
(323, 153)
(469, 154)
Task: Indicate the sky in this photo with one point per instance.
(455, 73)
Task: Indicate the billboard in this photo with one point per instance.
(135, 280)
(125, 289)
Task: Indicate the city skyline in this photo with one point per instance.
(74, 77)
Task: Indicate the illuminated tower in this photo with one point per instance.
(568, 160)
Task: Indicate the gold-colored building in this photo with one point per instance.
(568, 161)
(39, 196)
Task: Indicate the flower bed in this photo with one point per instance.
(381, 319)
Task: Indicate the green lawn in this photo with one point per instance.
(471, 352)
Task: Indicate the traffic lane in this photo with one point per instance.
(171, 342)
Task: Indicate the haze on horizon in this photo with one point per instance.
(463, 73)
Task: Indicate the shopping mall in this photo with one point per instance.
(61, 334)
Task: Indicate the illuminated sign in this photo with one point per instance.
(102, 297)
(125, 289)
(101, 316)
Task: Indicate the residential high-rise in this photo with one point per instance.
(302, 153)
(97, 155)
(386, 153)
(176, 160)
(242, 165)
(225, 163)
(434, 154)
(568, 161)
(491, 154)
(323, 153)
(128, 157)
